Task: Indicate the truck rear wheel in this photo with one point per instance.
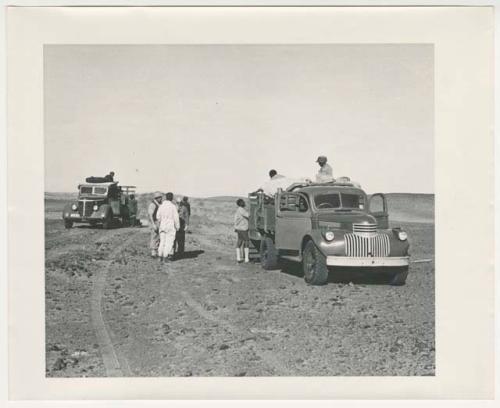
(68, 224)
(268, 254)
(399, 277)
(314, 265)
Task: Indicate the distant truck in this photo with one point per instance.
(99, 203)
(327, 225)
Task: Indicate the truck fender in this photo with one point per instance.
(67, 210)
(104, 210)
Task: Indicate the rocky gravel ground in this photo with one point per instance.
(205, 315)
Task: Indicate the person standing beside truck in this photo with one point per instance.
(132, 210)
(241, 229)
(180, 236)
(325, 172)
(154, 240)
(168, 220)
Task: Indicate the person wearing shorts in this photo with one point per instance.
(241, 228)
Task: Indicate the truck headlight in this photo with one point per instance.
(95, 207)
(403, 236)
(74, 207)
(329, 235)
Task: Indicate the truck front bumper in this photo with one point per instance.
(367, 261)
(78, 218)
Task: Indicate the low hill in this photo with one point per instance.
(404, 207)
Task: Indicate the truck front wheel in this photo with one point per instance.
(314, 265)
(106, 222)
(68, 224)
(268, 254)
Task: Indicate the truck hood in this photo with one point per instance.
(344, 220)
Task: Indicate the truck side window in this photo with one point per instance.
(283, 203)
(303, 207)
(288, 202)
(292, 203)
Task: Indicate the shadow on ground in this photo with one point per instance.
(372, 276)
(190, 254)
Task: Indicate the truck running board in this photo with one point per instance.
(291, 258)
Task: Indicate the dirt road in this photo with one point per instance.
(113, 311)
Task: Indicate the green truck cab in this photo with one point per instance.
(327, 225)
(99, 204)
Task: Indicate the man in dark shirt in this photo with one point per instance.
(132, 210)
(110, 177)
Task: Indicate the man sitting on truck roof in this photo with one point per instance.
(325, 172)
(276, 181)
(109, 177)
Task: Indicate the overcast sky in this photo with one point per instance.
(212, 120)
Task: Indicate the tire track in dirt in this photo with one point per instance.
(269, 358)
(116, 365)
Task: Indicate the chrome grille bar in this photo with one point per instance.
(362, 246)
(364, 227)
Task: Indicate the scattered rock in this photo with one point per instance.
(59, 364)
(241, 374)
(55, 347)
(79, 354)
(223, 347)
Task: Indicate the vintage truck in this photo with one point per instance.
(327, 225)
(99, 203)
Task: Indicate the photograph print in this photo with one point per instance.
(239, 210)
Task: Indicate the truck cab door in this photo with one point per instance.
(293, 219)
(378, 208)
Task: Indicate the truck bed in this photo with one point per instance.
(262, 216)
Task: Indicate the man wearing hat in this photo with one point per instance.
(153, 206)
(325, 172)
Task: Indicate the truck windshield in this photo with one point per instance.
(324, 201)
(336, 200)
(351, 201)
(86, 190)
(99, 190)
(93, 190)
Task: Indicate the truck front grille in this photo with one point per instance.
(85, 208)
(357, 245)
(364, 228)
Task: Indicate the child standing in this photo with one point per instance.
(241, 228)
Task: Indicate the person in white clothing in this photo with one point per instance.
(168, 224)
(241, 228)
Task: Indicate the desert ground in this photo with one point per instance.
(111, 310)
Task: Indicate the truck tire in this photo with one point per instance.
(106, 222)
(268, 254)
(256, 244)
(314, 265)
(68, 224)
(398, 278)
